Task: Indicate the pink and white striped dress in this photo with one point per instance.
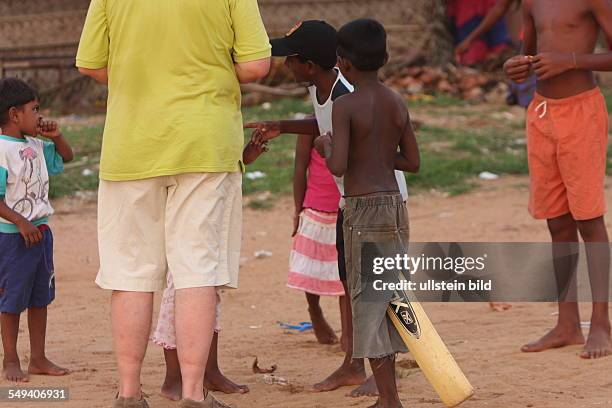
(313, 263)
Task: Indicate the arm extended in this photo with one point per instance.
(268, 130)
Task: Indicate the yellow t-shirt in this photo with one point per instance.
(173, 95)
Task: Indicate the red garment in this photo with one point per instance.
(321, 191)
(461, 11)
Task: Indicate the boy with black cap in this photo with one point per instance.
(310, 51)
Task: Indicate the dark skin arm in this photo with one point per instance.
(530, 38)
(548, 65)
(518, 67)
(271, 129)
(408, 158)
(252, 151)
(602, 11)
(336, 151)
(28, 231)
(50, 130)
(302, 160)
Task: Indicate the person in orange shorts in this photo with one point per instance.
(567, 132)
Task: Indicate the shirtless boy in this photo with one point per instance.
(567, 132)
(368, 127)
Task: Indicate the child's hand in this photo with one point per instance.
(258, 140)
(48, 129)
(321, 142)
(266, 130)
(517, 68)
(550, 64)
(252, 151)
(462, 49)
(296, 223)
(30, 233)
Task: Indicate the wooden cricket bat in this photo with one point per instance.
(429, 351)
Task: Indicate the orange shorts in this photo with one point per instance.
(566, 148)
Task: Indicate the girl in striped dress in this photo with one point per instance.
(313, 263)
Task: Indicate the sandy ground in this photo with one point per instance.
(486, 344)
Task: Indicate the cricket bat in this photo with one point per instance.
(429, 351)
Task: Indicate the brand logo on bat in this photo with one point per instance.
(404, 312)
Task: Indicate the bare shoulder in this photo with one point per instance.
(399, 104)
(344, 102)
(399, 99)
(346, 98)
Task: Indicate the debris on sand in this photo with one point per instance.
(262, 254)
(258, 370)
(254, 175)
(271, 379)
(406, 368)
(485, 175)
(285, 385)
(408, 364)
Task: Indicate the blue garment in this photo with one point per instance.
(27, 278)
(523, 93)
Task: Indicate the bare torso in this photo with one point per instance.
(565, 26)
(378, 117)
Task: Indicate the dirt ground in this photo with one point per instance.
(485, 343)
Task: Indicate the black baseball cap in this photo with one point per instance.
(313, 40)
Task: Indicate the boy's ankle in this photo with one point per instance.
(10, 360)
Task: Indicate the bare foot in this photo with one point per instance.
(172, 389)
(557, 337)
(323, 331)
(367, 389)
(499, 306)
(599, 343)
(43, 366)
(379, 404)
(346, 375)
(216, 381)
(12, 372)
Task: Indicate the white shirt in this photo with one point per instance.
(25, 165)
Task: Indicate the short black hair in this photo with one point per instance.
(14, 93)
(364, 43)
